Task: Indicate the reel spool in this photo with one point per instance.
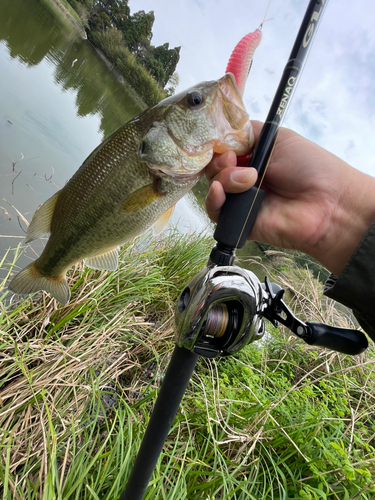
(219, 311)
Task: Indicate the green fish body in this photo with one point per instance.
(132, 181)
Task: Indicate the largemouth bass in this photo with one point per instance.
(132, 181)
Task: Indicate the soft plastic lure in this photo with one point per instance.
(239, 65)
(242, 57)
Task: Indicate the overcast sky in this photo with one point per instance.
(334, 104)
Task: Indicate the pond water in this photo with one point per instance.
(58, 101)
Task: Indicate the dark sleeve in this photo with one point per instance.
(355, 287)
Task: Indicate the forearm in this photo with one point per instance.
(350, 218)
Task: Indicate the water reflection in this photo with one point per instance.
(29, 30)
(32, 33)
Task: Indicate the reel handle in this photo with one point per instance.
(342, 340)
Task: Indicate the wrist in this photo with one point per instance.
(350, 219)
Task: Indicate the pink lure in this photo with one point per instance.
(242, 56)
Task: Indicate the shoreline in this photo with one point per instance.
(69, 17)
(82, 33)
(119, 76)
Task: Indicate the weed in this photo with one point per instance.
(280, 420)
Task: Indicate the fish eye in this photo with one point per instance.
(195, 99)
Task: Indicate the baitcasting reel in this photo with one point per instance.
(223, 309)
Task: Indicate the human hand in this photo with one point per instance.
(314, 202)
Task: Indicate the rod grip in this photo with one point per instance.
(237, 217)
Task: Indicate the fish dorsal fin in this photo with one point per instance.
(140, 199)
(162, 222)
(107, 261)
(40, 224)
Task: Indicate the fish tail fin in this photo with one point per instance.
(30, 280)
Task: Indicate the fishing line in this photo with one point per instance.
(264, 18)
(257, 192)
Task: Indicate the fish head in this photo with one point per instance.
(193, 125)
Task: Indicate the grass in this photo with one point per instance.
(281, 420)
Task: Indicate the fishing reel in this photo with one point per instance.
(223, 309)
(219, 311)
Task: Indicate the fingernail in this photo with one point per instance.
(242, 176)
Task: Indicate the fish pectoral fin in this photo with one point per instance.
(162, 222)
(40, 224)
(107, 261)
(30, 280)
(140, 199)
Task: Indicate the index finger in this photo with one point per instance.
(219, 162)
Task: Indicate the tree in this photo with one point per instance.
(172, 83)
(115, 10)
(119, 12)
(111, 23)
(155, 68)
(160, 61)
(100, 21)
(168, 58)
(137, 28)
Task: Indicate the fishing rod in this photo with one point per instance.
(239, 212)
(223, 308)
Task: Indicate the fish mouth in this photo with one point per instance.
(228, 87)
(189, 167)
(237, 129)
(228, 120)
(183, 140)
